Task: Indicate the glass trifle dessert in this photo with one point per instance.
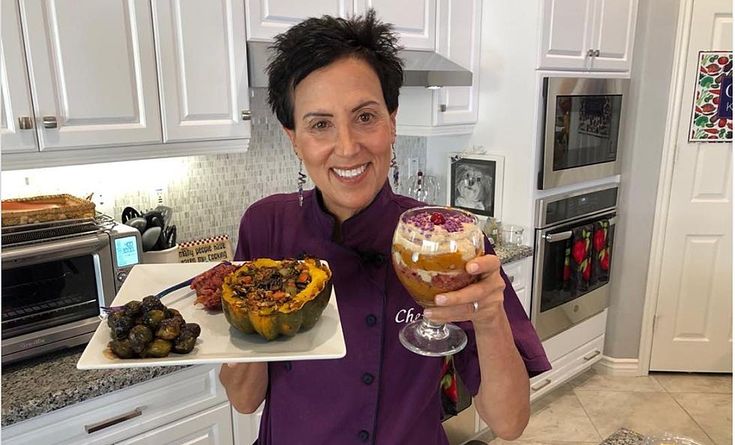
(431, 246)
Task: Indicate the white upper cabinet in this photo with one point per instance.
(17, 133)
(202, 65)
(268, 18)
(413, 20)
(458, 39)
(614, 34)
(588, 34)
(93, 72)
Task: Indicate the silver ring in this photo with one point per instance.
(475, 306)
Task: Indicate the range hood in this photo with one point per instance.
(421, 68)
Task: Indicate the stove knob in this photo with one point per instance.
(122, 275)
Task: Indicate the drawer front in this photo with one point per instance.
(567, 367)
(125, 413)
(210, 427)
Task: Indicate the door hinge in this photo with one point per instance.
(655, 322)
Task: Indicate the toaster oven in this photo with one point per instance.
(55, 278)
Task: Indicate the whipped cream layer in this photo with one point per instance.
(458, 232)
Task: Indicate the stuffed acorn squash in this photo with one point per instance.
(276, 298)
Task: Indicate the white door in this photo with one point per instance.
(458, 39)
(614, 33)
(692, 331)
(267, 18)
(413, 20)
(15, 94)
(203, 69)
(93, 72)
(209, 427)
(567, 29)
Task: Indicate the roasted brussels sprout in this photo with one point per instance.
(157, 348)
(122, 348)
(120, 324)
(153, 318)
(185, 342)
(193, 328)
(133, 309)
(169, 329)
(171, 313)
(150, 303)
(139, 337)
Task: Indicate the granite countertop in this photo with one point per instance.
(624, 437)
(51, 382)
(56, 382)
(512, 252)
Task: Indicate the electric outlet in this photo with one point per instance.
(159, 195)
(413, 166)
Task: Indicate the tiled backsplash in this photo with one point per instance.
(208, 193)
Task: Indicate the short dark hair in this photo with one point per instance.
(317, 42)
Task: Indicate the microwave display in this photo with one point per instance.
(49, 294)
(585, 130)
(126, 251)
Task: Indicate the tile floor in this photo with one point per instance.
(592, 406)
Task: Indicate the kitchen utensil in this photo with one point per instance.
(170, 236)
(154, 218)
(166, 212)
(150, 237)
(129, 213)
(139, 223)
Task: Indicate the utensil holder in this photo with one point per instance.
(170, 255)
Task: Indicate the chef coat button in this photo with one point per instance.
(371, 320)
(288, 366)
(363, 435)
(367, 378)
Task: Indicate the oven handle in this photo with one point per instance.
(555, 237)
(66, 247)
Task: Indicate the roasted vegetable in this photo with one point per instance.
(276, 298)
(133, 309)
(169, 329)
(185, 342)
(139, 337)
(193, 328)
(157, 348)
(120, 324)
(122, 348)
(153, 318)
(151, 302)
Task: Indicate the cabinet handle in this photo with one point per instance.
(561, 236)
(597, 53)
(49, 122)
(591, 356)
(590, 52)
(113, 421)
(246, 115)
(511, 278)
(443, 107)
(541, 385)
(25, 123)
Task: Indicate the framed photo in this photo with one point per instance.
(475, 183)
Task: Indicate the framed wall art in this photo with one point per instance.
(475, 183)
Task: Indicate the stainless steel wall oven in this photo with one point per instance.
(581, 129)
(573, 255)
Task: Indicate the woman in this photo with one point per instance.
(333, 85)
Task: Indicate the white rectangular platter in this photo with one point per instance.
(218, 342)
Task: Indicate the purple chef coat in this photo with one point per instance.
(379, 392)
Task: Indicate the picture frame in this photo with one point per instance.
(475, 184)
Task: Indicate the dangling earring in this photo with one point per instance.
(301, 181)
(394, 166)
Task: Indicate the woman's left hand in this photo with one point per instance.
(480, 302)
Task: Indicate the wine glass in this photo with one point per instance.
(431, 246)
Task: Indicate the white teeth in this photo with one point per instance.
(351, 173)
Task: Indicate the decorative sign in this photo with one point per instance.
(712, 114)
(218, 248)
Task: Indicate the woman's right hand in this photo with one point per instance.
(245, 384)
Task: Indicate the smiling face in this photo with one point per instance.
(343, 133)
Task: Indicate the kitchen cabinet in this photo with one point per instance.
(87, 77)
(191, 399)
(520, 274)
(447, 110)
(197, 101)
(16, 112)
(414, 20)
(93, 74)
(588, 35)
(209, 427)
